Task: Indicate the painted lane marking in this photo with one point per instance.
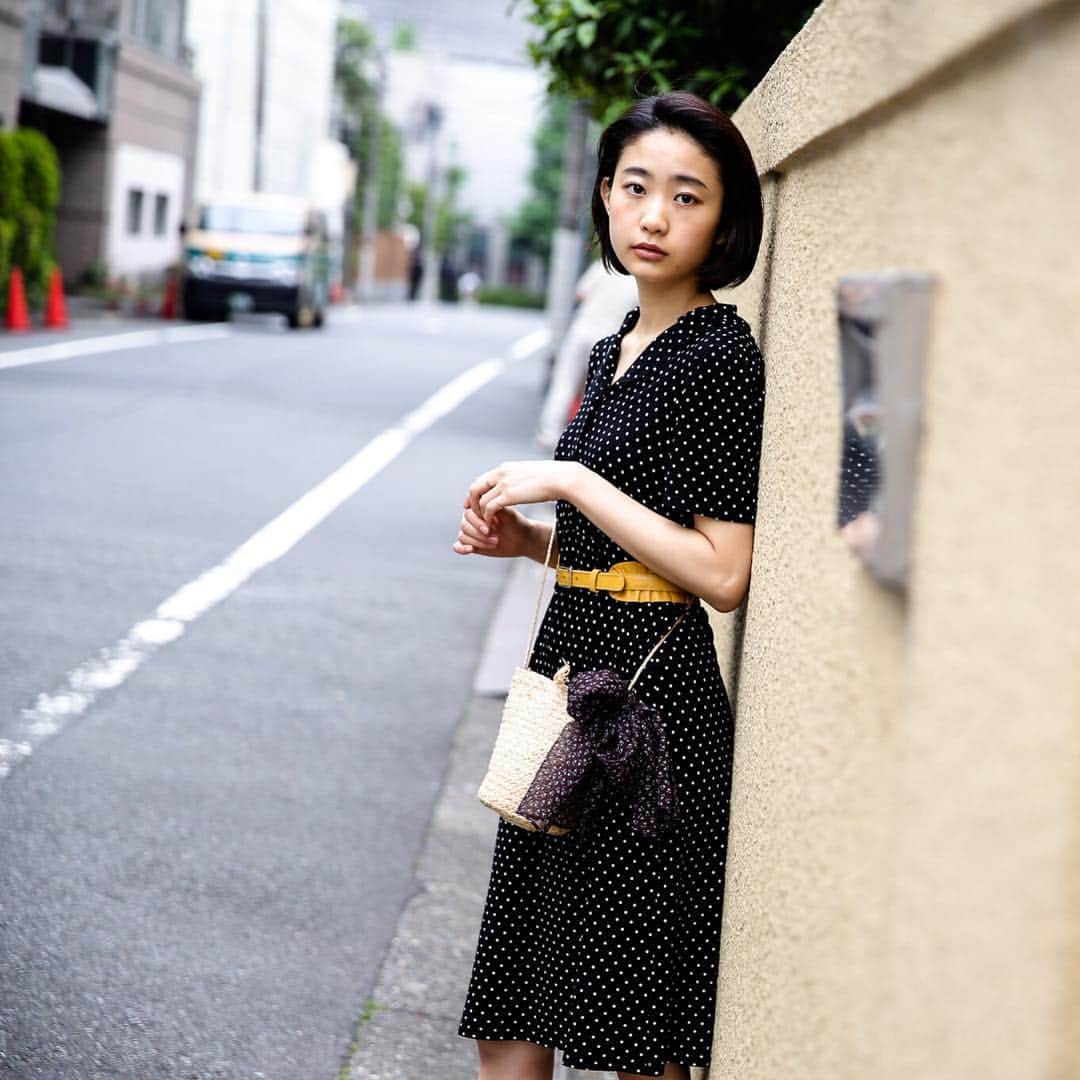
(108, 670)
(135, 339)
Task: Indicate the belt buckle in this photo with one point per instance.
(591, 583)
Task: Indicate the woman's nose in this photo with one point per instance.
(652, 217)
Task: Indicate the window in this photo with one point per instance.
(161, 213)
(157, 24)
(225, 217)
(134, 211)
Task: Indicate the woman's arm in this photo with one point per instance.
(711, 560)
(541, 534)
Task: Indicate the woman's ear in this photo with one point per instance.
(605, 193)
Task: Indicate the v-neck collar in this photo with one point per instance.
(696, 318)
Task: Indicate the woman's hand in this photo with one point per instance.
(509, 535)
(490, 524)
(516, 482)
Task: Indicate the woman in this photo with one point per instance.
(609, 950)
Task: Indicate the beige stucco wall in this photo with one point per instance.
(903, 896)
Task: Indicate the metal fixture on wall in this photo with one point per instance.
(883, 326)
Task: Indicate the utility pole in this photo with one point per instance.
(260, 89)
(371, 190)
(429, 284)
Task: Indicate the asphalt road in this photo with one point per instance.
(202, 868)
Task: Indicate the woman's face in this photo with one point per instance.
(666, 192)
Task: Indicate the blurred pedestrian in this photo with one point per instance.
(468, 284)
(448, 277)
(416, 271)
(604, 297)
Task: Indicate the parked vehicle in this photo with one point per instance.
(259, 252)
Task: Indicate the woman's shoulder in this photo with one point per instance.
(726, 343)
(726, 327)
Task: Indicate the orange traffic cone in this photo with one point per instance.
(55, 308)
(170, 304)
(18, 318)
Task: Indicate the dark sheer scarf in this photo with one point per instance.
(615, 746)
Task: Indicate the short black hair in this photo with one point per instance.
(741, 216)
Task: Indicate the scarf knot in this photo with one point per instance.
(614, 745)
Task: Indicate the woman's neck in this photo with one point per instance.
(662, 305)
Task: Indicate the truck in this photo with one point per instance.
(256, 252)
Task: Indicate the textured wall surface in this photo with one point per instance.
(12, 18)
(904, 875)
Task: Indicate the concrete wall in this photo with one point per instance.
(156, 108)
(149, 143)
(83, 149)
(904, 876)
(157, 175)
(12, 19)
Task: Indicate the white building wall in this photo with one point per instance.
(153, 173)
(224, 40)
(494, 112)
(299, 86)
(490, 112)
(299, 91)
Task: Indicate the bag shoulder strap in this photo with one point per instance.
(539, 594)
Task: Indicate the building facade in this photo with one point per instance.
(110, 83)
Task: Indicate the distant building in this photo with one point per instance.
(272, 144)
(153, 103)
(470, 61)
(110, 83)
(267, 71)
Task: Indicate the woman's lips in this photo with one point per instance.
(648, 253)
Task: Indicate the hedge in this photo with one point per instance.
(29, 191)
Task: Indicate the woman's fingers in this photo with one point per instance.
(477, 489)
(479, 522)
(472, 533)
(471, 517)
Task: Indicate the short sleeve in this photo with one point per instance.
(717, 432)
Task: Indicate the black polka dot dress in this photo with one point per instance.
(609, 950)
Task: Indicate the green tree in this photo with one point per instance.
(391, 174)
(533, 224)
(451, 224)
(611, 52)
(355, 61)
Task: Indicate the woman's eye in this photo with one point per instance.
(682, 194)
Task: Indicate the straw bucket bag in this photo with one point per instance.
(562, 742)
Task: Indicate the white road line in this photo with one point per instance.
(134, 339)
(114, 664)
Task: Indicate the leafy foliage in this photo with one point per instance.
(29, 191)
(534, 223)
(355, 60)
(611, 52)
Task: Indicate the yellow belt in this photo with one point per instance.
(624, 581)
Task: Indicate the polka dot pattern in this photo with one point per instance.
(610, 950)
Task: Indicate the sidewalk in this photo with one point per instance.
(410, 1027)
